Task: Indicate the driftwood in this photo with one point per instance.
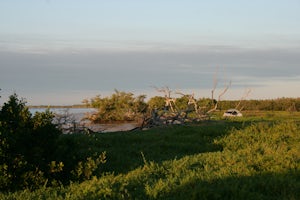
(172, 115)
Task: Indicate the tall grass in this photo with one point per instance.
(216, 160)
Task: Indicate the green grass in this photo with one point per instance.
(257, 157)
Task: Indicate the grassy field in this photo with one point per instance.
(254, 157)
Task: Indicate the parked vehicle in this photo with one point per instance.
(232, 113)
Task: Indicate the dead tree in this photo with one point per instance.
(215, 107)
(215, 83)
(181, 116)
(192, 100)
(170, 102)
(246, 94)
(196, 108)
(169, 115)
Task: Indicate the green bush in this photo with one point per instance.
(27, 145)
(28, 151)
(120, 106)
(257, 161)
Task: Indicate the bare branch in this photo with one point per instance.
(166, 90)
(180, 93)
(192, 100)
(246, 94)
(215, 83)
(219, 98)
(225, 90)
(170, 102)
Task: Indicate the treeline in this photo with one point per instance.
(279, 104)
(124, 106)
(57, 106)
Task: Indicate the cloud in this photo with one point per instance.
(181, 67)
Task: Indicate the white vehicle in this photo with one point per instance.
(232, 113)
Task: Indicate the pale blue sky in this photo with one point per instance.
(62, 51)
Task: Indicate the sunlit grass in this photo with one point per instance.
(254, 157)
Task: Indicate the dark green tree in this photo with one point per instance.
(26, 143)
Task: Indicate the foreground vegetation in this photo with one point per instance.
(254, 157)
(234, 159)
(30, 151)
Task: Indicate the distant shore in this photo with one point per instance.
(58, 106)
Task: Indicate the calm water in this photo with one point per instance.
(63, 110)
(77, 113)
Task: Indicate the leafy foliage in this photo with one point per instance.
(28, 149)
(120, 106)
(233, 160)
(157, 103)
(249, 158)
(84, 170)
(27, 145)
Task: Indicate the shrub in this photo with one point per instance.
(28, 150)
(120, 106)
(27, 144)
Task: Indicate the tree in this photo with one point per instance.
(156, 102)
(120, 106)
(27, 144)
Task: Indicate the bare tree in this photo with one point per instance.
(219, 97)
(246, 94)
(192, 100)
(170, 102)
(181, 116)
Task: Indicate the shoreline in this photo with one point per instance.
(77, 121)
(108, 128)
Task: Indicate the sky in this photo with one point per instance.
(59, 52)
